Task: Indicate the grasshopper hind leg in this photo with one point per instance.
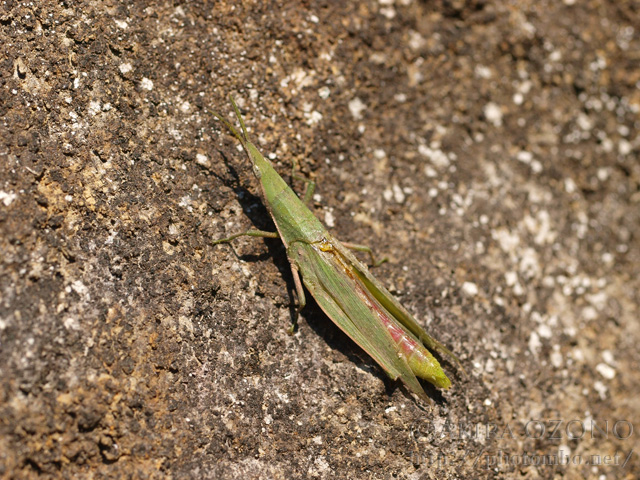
(302, 299)
(365, 249)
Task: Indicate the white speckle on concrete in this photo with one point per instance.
(584, 122)
(398, 194)
(416, 41)
(176, 134)
(185, 322)
(601, 388)
(624, 147)
(320, 467)
(607, 356)
(185, 201)
(329, 219)
(379, 154)
(490, 366)
(589, 313)
(437, 156)
(185, 107)
(525, 87)
(541, 228)
(470, 288)
(94, 108)
(121, 24)
(545, 331)
(493, 114)
(598, 300)
(313, 117)
(430, 172)
(524, 156)
(511, 278)
(356, 107)
(388, 12)
(600, 63)
(607, 258)
(80, 288)
(555, 56)
(146, 84)
(202, 159)
(569, 185)
(482, 72)
(578, 355)
(534, 343)
(529, 264)
(125, 68)
(556, 357)
(606, 371)
(70, 323)
(508, 241)
(324, 93)
(603, 174)
(7, 198)
(300, 78)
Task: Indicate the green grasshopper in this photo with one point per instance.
(342, 286)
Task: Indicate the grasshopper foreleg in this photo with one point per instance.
(310, 184)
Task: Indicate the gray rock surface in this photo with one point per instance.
(490, 149)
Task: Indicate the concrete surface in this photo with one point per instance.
(490, 149)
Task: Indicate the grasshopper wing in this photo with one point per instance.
(392, 305)
(327, 275)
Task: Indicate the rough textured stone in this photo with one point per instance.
(489, 148)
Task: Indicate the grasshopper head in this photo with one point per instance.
(260, 164)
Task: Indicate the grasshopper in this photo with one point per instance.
(343, 287)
